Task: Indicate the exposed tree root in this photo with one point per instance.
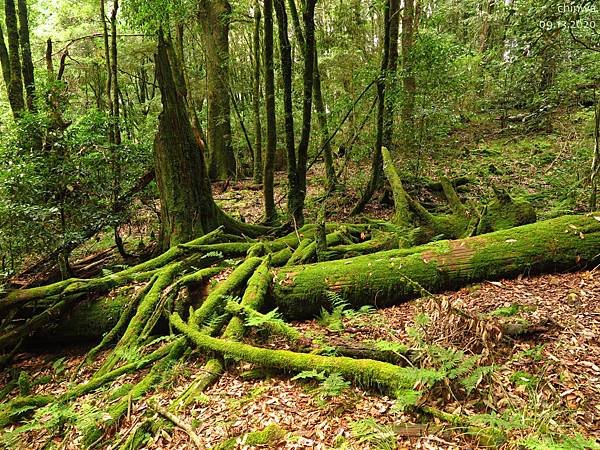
(387, 377)
(176, 283)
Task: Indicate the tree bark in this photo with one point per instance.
(408, 78)
(214, 17)
(15, 86)
(4, 61)
(28, 77)
(269, 168)
(187, 206)
(257, 169)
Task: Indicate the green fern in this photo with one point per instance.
(270, 318)
(577, 442)
(333, 386)
(375, 435)
(310, 374)
(406, 399)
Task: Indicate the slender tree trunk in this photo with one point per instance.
(285, 52)
(4, 61)
(376, 178)
(15, 87)
(392, 68)
(486, 27)
(257, 171)
(408, 79)
(113, 68)
(107, 61)
(269, 168)
(318, 98)
(214, 19)
(187, 206)
(49, 62)
(324, 128)
(28, 77)
(309, 28)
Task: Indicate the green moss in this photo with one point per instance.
(386, 278)
(24, 383)
(504, 213)
(271, 434)
(388, 377)
(235, 280)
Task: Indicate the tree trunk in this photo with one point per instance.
(187, 206)
(376, 178)
(214, 19)
(392, 68)
(4, 61)
(15, 87)
(309, 62)
(257, 170)
(28, 77)
(408, 79)
(109, 106)
(387, 278)
(285, 52)
(318, 98)
(269, 169)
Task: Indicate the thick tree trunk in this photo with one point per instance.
(187, 206)
(15, 87)
(386, 278)
(214, 19)
(28, 77)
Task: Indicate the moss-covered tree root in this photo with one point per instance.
(258, 286)
(384, 376)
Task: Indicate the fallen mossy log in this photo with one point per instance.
(386, 278)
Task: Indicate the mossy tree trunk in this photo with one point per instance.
(386, 278)
(28, 77)
(187, 206)
(15, 86)
(256, 47)
(271, 148)
(214, 17)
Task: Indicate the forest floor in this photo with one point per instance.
(543, 387)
